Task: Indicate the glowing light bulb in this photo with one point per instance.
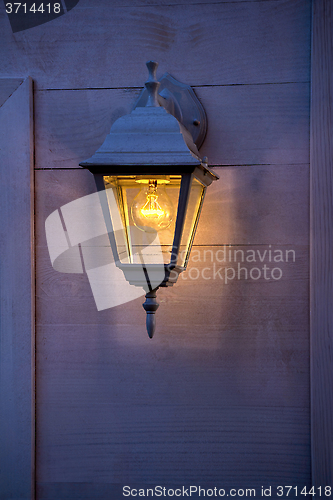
(152, 209)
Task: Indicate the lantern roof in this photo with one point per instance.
(147, 136)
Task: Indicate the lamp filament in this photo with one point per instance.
(152, 209)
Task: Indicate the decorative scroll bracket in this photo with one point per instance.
(180, 101)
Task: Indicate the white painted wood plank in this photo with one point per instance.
(321, 245)
(17, 296)
(266, 205)
(259, 124)
(105, 44)
(256, 205)
(67, 298)
(173, 442)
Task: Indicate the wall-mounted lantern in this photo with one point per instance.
(152, 184)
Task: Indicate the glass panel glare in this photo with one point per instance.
(144, 220)
(191, 220)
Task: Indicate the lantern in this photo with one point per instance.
(152, 184)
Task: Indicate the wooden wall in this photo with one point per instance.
(17, 291)
(321, 241)
(220, 396)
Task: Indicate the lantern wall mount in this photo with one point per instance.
(151, 182)
(180, 101)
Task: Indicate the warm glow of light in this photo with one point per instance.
(152, 212)
(148, 181)
(152, 209)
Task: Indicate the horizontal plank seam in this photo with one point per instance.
(220, 406)
(305, 245)
(193, 86)
(187, 4)
(231, 245)
(211, 165)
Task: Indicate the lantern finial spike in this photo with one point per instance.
(150, 324)
(152, 85)
(151, 306)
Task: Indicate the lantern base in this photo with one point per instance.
(151, 306)
(134, 275)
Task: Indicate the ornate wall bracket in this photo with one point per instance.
(180, 101)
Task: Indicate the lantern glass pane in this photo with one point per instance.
(143, 211)
(195, 202)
